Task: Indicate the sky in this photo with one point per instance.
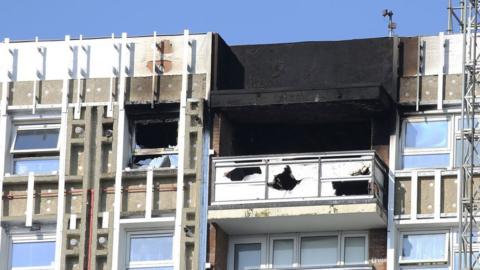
(237, 21)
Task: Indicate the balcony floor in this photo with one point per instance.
(296, 217)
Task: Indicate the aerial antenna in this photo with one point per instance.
(391, 25)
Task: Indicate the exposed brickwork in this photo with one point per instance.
(377, 248)
(222, 135)
(217, 247)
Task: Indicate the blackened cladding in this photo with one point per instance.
(284, 180)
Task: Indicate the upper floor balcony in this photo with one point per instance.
(328, 188)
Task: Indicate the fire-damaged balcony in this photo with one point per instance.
(329, 190)
(337, 267)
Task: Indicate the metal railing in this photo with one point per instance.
(294, 177)
(335, 267)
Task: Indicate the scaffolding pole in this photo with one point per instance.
(465, 14)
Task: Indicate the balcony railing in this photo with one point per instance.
(299, 177)
(336, 267)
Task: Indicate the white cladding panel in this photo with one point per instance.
(434, 51)
(96, 58)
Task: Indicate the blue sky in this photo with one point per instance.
(238, 21)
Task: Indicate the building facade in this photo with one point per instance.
(182, 152)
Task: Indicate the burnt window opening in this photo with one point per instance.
(159, 134)
(284, 138)
(155, 143)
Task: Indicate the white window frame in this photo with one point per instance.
(347, 235)
(34, 127)
(335, 234)
(296, 248)
(146, 234)
(266, 241)
(457, 135)
(405, 151)
(29, 238)
(260, 239)
(402, 261)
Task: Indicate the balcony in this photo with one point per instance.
(324, 188)
(337, 267)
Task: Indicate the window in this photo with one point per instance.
(155, 143)
(149, 251)
(32, 252)
(423, 247)
(35, 149)
(319, 250)
(298, 250)
(458, 141)
(248, 256)
(426, 143)
(354, 250)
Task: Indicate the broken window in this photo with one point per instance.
(155, 143)
(35, 149)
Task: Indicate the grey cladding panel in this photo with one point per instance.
(408, 89)
(453, 87)
(21, 93)
(50, 92)
(167, 88)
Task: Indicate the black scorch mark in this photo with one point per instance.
(284, 180)
(238, 174)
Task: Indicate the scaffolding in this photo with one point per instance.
(466, 15)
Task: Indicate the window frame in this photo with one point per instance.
(266, 241)
(34, 127)
(144, 264)
(320, 234)
(252, 239)
(413, 151)
(347, 235)
(295, 251)
(29, 238)
(402, 262)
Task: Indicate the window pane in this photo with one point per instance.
(457, 258)
(150, 248)
(154, 268)
(319, 250)
(283, 252)
(426, 161)
(424, 247)
(354, 250)
(37, 166)
(432, 134)
(458, 153)
(36, 139)
(247, 256)
(33, 254)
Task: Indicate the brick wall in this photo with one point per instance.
(217, 247)
(222, 135)
(377, 248)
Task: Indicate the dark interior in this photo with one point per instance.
(156, 134)
(284, 138)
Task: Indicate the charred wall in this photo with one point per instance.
(319, 65)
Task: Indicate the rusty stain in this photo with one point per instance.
(165, 46)
(162, 65)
